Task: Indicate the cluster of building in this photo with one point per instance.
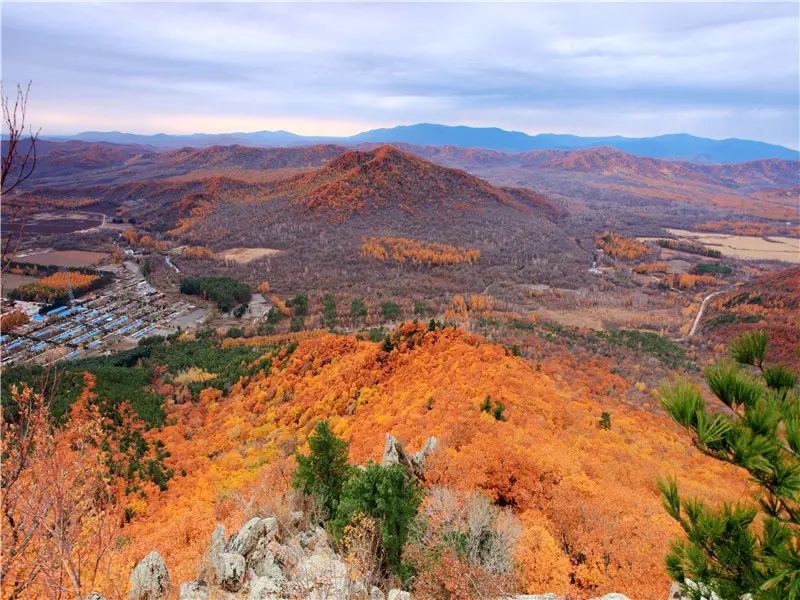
(114, 318)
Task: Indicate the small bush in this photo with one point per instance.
(390, 310)
(358, 310)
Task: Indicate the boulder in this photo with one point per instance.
(194, 590)
(244, 541)
(547, 596)
(398, 595)
(95, 596)
(261, 559)
(150, 579)
(217, 543)
(230, 571)
(676, 591)
(394, 453)
(376, 594)
(324, 576)
(429, 448)
(265, 588)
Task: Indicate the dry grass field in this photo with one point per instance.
(746, 247)
(246, 255)
(64, 258)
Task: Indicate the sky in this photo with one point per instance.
(637, 69)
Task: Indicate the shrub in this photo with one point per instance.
(300, 304)
(390, 310)
(297, 323)
(235, 332)
(358, 310)
(240, 310)
(421, 308)
(323, 473)
(711, 269)
(605, 421)
(743, 548)
(388, 495)
(329, 315)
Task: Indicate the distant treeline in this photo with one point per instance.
(55, 298)
(689, 248)
(226, 292)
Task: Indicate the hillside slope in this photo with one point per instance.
(586, 498)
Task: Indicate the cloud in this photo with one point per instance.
(719, 70)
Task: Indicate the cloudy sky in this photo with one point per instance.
(717, 70)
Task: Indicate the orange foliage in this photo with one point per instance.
(198, 252)
(685, 281)
(650, 267)
(264, 287)
(618, 246)
(281, 306)
(131, 237)
(10, 321)
(401, 250)
(592, 516)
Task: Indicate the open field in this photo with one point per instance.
(746, 247)
(64, 258)
(61, 222)
(12, 281)
(246, 255)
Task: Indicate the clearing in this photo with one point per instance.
(246, 255)
(63, 258)
(12, 281)
(746, 247)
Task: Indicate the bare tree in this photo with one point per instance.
(18, 163)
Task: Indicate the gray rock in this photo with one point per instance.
(394, 453)
(613, 596)
(194, 590)
(95, 596)
(547, 596)
(324, 576)
(150, 579)
(676, 591)
(217, 543)
(398, 595)
(244, 541)
(430, 447)
(376, 594)
(265, 588)
(261, 559)
(230, 571)
(296, 518)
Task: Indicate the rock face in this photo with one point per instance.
(676, 591)
(264, 588)
(230, 571)
(394, 453)
(150, 579)
(324, 576)
(398, 595)
(376, 594)
(194, 590)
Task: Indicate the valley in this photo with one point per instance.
(524, 309)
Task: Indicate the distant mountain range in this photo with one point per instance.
(678, 146)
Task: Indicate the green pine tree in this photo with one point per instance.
(605, 421)
(742, 548)
(390, 496)
(323, 473)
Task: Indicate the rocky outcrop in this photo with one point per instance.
(394, 453)
(324, 576)
(398, 595)
(194, 590)
(376, 594)
(676, 591)
(265, 588)
(231, 568)
(150, 579)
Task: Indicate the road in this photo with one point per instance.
(702, 310)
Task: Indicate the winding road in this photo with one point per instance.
(702, 310)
